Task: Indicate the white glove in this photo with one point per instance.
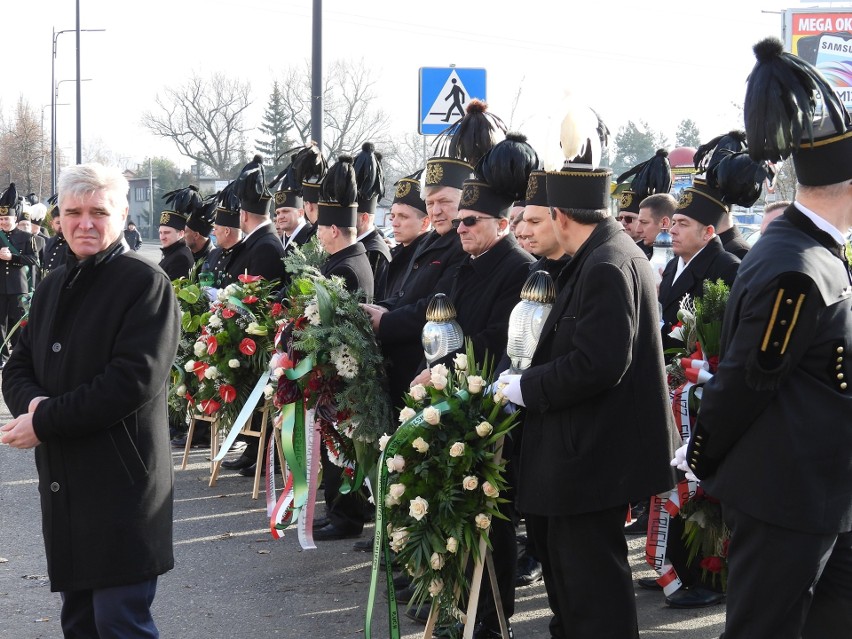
(512, 388)
(680, 462)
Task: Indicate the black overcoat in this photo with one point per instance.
(258, 254)
(734, 242)
(16, 273)
(379, 255)
(352, 265)
(99, 344)
(177, 260)
(598, 430)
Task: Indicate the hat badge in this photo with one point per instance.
(165, 217)
(434, 173)
(532, 187)
(470, 195)
(626, 199)
(685, 200)
(403, 189)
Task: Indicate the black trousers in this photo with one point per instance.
(505, 554)
(10, 313)
(347, 512)
(587, 574)
(122, 612)
(787, 584)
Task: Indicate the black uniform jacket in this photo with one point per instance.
(217, 263)
(99, 344)
(203, 253)
(352, 265)
(379, 255)
(303, 236)
(55, 251)
(258, 254)
(712, 263)
(16, 273)
(598, 430)
(177, 260)
(734, 242)
(401, 259)
(776, 419)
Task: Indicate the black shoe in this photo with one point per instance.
(401, 581)
(420, 615)
(330, 532)
(249, 471)
(481, 631)
(694, 597)
(240, 462)
(529, 571)
(448, 632)
(197, 442)
(363, 545)
(648, 583)
(405, 595)
(321, 522)
(638, 527)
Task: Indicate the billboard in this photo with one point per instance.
(823, 38)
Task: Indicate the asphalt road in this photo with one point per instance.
(231, 579)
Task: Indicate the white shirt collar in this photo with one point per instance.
(822, 224)
(259, 226)
(681, 265)
(295, 232)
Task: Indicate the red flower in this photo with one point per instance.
(287, 392)
(24, 323)
(227, 313)
(209, 406)
(212, 345)
(714, 363)
(189, 398)
(228, 393)
(712, 564)
(248, 347)
(199, 369)
(245, 278)
(276, 310)
(250, 299)
(300, 322)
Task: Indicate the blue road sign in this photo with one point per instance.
(444, 94)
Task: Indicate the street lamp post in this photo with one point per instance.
(56, 35)
(56, 104)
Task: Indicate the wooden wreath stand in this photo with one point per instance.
(485, 560)
(214, 444)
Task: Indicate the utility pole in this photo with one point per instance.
(316, 75)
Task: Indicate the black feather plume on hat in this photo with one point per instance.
(228, 198)
(339, 184)
(309, 165)
(10, 196)
(785, 97)
(711, 153)
(507, 166)
(739, 178)
(183, 200)
(369, 175)
(250, 185)
(472, 136)
(651, 176)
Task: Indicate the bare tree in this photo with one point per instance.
(785, 180)
(24, 150)
(205, 120)
(349, 117)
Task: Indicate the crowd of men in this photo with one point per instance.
(597, 433)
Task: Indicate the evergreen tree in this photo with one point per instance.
(635, 143)
(687, 134)
(276, 128)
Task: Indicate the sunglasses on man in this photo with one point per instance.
(470, 220)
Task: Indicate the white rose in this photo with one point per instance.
(420, 445)
(277, 372)
(398, 539)
(436, 561)
(432, 415)
(234, 363)
(417, 392)
(211, 373)
(435, 587)
(396, 490)
(440, 369)
(396, 464)
(268, 391)
(390, 501)
(470, 482)
(405, 414)
(475, 384)
(189, 366)
(483, 521)
(484, 429)
(489, 490)
(460, 362)
(500, 398)
(439, 382)
(452, 545)
(457, 449)
(215, 321)
(383, 441)
(180, 391)
(418, 507)
(199, 348)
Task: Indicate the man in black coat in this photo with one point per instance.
(87, 384)
(260, 252)
(199, 224)
(773, 439)
(598, 428)
(18, 258)
(131, 236)
(177, 257)
(226, 228)
(699, 254)
(731, 237)
(378, 252)
(56, 247)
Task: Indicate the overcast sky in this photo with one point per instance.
(659, 61)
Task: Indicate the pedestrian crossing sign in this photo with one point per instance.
(444, 95)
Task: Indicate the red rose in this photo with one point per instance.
(276, 310)
(245, 278)
(250, 299)
(227, 313)
(209, 406)
(212, 345)
(287, 392)
(712, 564)
(248, 347)
(228, 393)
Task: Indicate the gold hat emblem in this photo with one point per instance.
(434, 173)
(685, 199)
(165, 217)
(470, 195)
(280, 198)
(403, 189)
(625, 200)
(532, 186)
